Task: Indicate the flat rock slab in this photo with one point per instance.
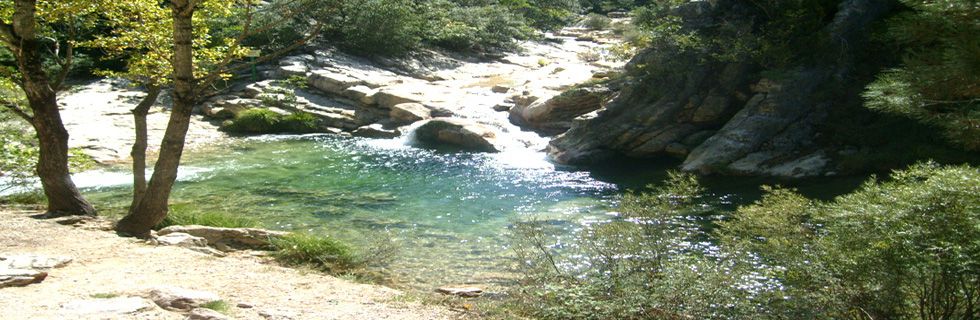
(31, 261)
(20, 277)
(113, 306)
(180, 239)
(206, 314)
(466, 292)
(180, 299)
(228, 239)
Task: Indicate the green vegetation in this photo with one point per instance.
(901, 248)
(217, 305)
(596, 21)
(184, 215)
(104, 295)
(257, 121)
(320, 252)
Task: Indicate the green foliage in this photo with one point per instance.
(473, 28)
(185, 215)
(381, 27)
(220, 306)
(903, 248)
(260, 121)
(939, 80)
(321, 252)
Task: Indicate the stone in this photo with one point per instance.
(711, 110)
(500, 89)
(407, 113)
(617, 14)
(555, 115)
(677, 150)
(107, 307)
(206, 314)
(388, 97)
(332, 83)
(31, 261)
(242, 305)
(466, 292)
(456, 133)
(524, 100)
(376, 131)
(502, 107)
(73, 220)
(228, 239)
(278, 314)
(180, 299)
(179, 239)
(20, 277)
(361, 94)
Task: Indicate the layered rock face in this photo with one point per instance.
(722, 117)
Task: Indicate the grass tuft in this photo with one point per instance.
(179, 215)
(104, 295)
(217, 305)
(320, 252)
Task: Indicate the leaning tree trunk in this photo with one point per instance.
(140, 145)
(152, 207)
(52, 166)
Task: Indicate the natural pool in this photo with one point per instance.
(450, 214)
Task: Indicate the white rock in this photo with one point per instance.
(179, 239)
(206, 314)
(113, 306)
(30, 261)
(180, 299)
(410, 112)
(20, 277)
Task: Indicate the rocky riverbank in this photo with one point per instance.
(90, 273)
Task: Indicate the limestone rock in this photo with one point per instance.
(555, 115)
(332, 83)
(20, 277)
(376, 131)
(30, 261)
(227, 239)
(407, 113)
(388, 97)
(206, 314)
(361, 94)
(180, 299)
(466, 292)
(179, 239)
(456, 133)
(107, 307)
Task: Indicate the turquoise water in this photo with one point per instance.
(449, 214)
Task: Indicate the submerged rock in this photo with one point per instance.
(456, 133)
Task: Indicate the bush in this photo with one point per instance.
(261, 121)
(903, 248)
(476, 28)
(321, 252)
(595, 21)
(183, 215)
(379, 27)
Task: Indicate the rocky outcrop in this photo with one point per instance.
(454, 133)
(228, 239)
(753, 126)
(555, 115)
(407, 113)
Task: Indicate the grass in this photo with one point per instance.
(180, 215)
(217, 305)
(320, 252)
(104, 295)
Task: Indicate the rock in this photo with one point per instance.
(376, 131)
(30, 261)
(242, 305)
(206, 314)
(617, 14)
(407, 113)
(278, 314)
(73, 220)
(711, 110)
(555, 115)
(108, 307)
(361, 94)
(388, 97)
(228, 239)
(20, 277)
(229, 109)
(500, 89)
(466, 292)
(677, 150)
(456, 133)
(332, 83)
(180, 299)
(179, 239)
(502, 107)
(524, 100)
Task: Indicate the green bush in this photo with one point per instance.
(475, 28)
(596, 21)
(321, 252)
(261, 121)
(902, 248)
(380, 27)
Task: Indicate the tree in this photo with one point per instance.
(195, 62)
(21, 34)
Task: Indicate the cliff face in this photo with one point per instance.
(723, 117)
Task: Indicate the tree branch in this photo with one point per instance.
(18, 111)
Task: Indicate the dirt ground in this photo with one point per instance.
(105, 264)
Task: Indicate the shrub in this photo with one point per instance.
(321, 252)
(595, 21)
(299, 122)
(476, 28)
(254, 121)
(379, 27)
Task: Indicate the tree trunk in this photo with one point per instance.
(152, 208)
(52, 166)
(140, 145)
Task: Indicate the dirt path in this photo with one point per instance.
(105, 264)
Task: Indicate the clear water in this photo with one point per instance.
(449, 213)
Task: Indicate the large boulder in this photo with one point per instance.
(555, 115)
(406, 113)
(228, 239)
(331, 82)
(376, 131)
(457, 134)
